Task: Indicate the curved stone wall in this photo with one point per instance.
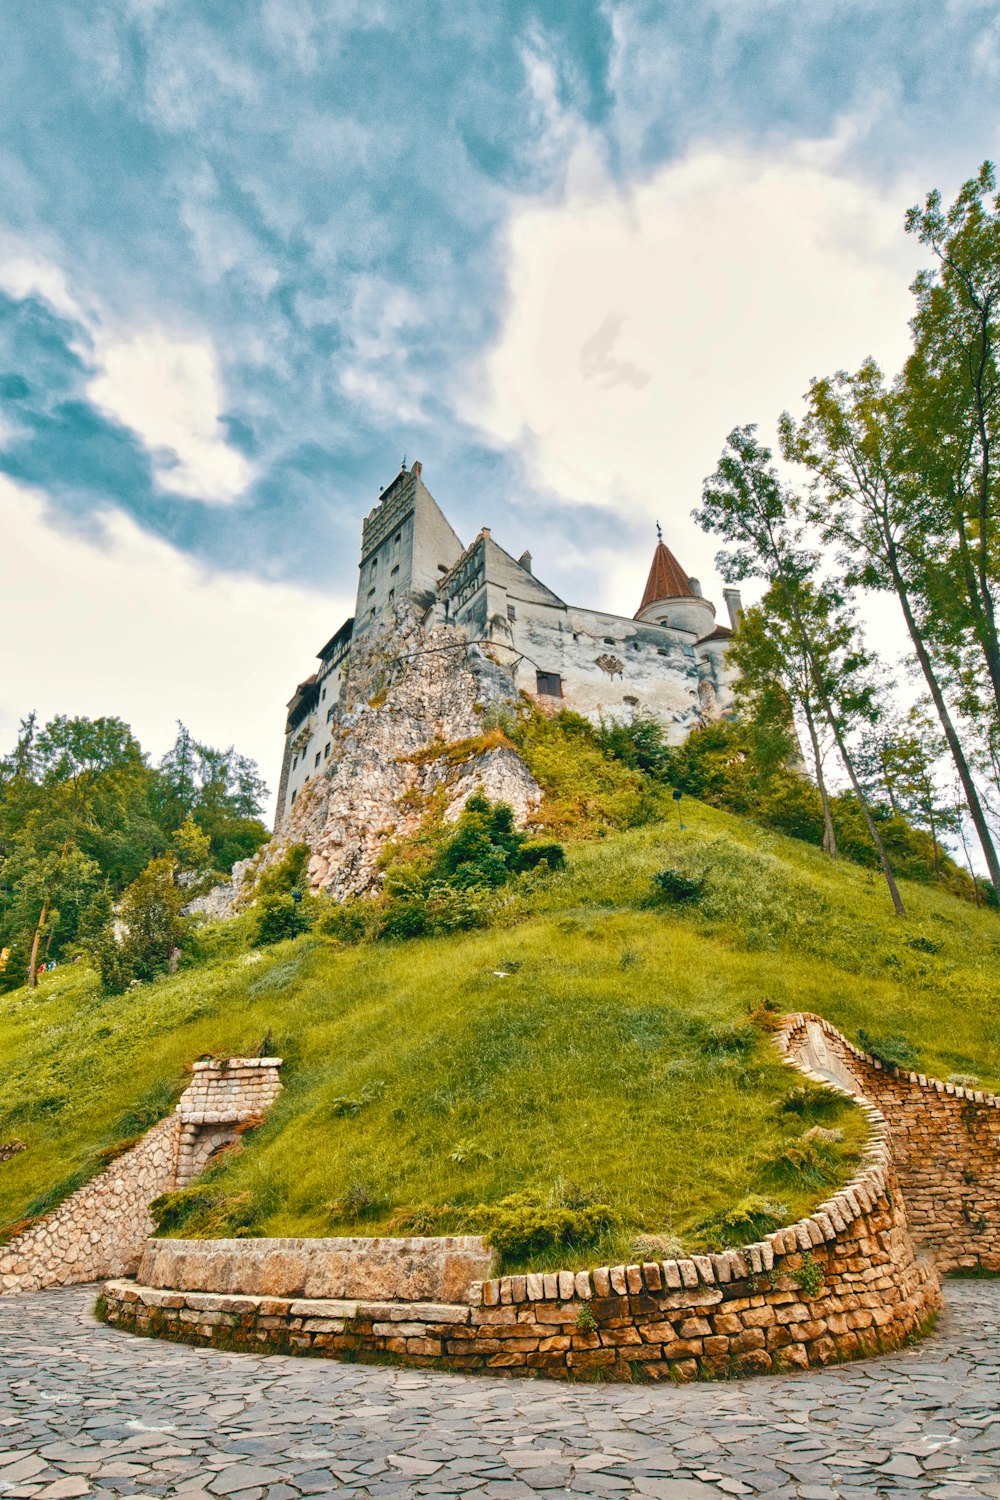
(843, 1282)
(102, 1228)
(945, 1143)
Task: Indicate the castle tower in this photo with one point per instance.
(672, 598)
(406, 548)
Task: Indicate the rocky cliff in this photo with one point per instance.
(411, 693)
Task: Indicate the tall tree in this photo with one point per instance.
(864, 497)
(745, 503)
(774, 688)
(951, 390)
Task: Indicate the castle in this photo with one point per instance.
(667, 661)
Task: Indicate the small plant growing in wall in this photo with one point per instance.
(808, 1277)
(585, 1320)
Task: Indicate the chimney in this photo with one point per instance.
(734, 604)
(524, 561)
(416, 468)
(695, 587)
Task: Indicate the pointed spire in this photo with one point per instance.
(667, 579)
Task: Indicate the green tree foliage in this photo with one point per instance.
(904, 479)
(745, 503)
(149, 927)
(82, 814)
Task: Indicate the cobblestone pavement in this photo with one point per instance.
(86, 1410)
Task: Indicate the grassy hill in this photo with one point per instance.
(590, 1048)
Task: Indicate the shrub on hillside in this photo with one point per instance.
(280, 916)
(748, 1221)
(448, 880)
(676, 888)
(587, 787)
(524, 1224)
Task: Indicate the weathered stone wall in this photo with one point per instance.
(431, 1269)
(841, 1283)
(844, 1281)
(945, 1144)
(101, 1229)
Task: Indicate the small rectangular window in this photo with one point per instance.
(511, 612)
(317, 757)
(371, 593)
(397, 539)
(549, 683)
(295, 762)
(329, 715)
(322, 696)
(392, 595)
(294, 795)
(374, 567)
(326, 752)
(394, 571)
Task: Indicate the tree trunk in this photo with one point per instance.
(829, 836)
(33, 970)
(969, 788)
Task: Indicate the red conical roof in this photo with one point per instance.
(667, 579)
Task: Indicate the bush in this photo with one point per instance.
(894, 1051)
(279, 917)
(750, 1220)
(524, 1224)
(675, 887)
(553, 856)
(357, 920)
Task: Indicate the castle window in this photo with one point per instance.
(392, 595)
(662, 651)
(371, 593)
(549, 684)
(442, 568)
(397, 539)
(317, 758)
(374, 567)
(295, 762)
(511, 612)
(294, 795)
(323, 696)
(326, 752)
(632, 702)
(609, 640)
(395, 570)
(329, 715)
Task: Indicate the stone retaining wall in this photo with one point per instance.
(101, 1229)
(945, 1143)
(843, 1282)
(440, 1269)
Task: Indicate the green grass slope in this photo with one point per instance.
(588, 1048)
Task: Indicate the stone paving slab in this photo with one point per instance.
(88, 1411)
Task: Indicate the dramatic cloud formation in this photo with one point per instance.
(251, 255)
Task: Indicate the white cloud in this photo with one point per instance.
(134, 628)
(168, 390)
(642, 328)
(165, 386)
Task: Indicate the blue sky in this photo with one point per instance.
(252, 254)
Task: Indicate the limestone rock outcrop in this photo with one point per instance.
(411, 693)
